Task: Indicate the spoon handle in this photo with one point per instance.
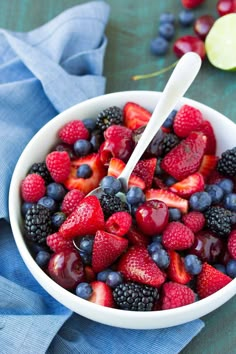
(180, 80)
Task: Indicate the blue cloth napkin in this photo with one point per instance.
(43, 72)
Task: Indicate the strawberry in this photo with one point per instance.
(185, 158)
(58, 164)
(32, 188)
(119, 223)
(71, 201)
(232, 244)
(86, 185)
(145, 169)
(136, 237)
(116, 147)
(135, 116)
(137, 265)
(107, 248)
(117, 132)
(215, 177)
(176, 270)
(169, 198)
(177, 236)
(57, 243)
(207, 129)
(101, 294)
(210, 280)
(176, 295)
(115, 168)
(86, 219)
(189, 185)
(194, 220)
(187, 119)
(208, 165)
(73, 131)
(190, 4)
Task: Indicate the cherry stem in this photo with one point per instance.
(155, 73)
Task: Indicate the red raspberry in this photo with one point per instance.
(119, 223)
(186, 120)
(57, 243)
(58, 164)
(33, 188)
(71, 201)
(176, 295)
(194, 220)
(177, 236)
(73, 131)
(232, 244)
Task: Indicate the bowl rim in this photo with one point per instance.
(112, 316)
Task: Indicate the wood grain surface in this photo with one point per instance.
(131, 26)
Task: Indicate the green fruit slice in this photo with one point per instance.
(220, 43)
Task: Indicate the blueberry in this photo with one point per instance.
(161, 258)
(230, 201)
(216, 193)
(200, 201)
(48, 203)
(56, 191)
(96, 139)
(90, 123)
(25, 207)
(231, 268)
(167, 31)
(220, 267)
(84, 290)
(157, 238)
(86, 257)
(167, 17)
(84, 171)
(111, 185)
(193, 264)
(154, 246)
(135, 196)
(86, 244)
(233, 218)
(174, 214)
(227, 185)
(42, 258)
(158, 170)
(170, 119)
(114, 279)
(58, 218)
(159, 46)
(186, 18)
(169, 181)
(102, 276)
(82, 147)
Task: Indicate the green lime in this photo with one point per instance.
(220, 43)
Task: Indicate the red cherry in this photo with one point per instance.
(225, 7)
(152, 217)
(66, 269)
(121, 149)
(190, 4)
(189, 44)
(202, 25)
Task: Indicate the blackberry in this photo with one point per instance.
(111, 204)
(227, 163)
(135, 297)
(169, 142)
(219, 220)
(109, 116)
(41, 169)
(38, 224)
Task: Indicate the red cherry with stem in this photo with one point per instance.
(225, 7)
(202, 25)
(187, 44)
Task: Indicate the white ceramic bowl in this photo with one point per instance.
(36, 151)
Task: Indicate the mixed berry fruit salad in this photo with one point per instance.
(169, 241)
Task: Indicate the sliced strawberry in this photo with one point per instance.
(86, 219)
(207, 129)
(86, 185)
(102, 294)
(208, 165)
(137, 265)
(210, 280)
(185, 158)
(115, 168)
(107, 248)
(169, 198)
(191, 184)
(136, 237)
(145, 169)
(176, 270)
(117, 132)
(135, 116)
(159, 183)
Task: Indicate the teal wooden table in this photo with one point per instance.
(132, 25)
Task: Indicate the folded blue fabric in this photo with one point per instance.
(43, 72)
